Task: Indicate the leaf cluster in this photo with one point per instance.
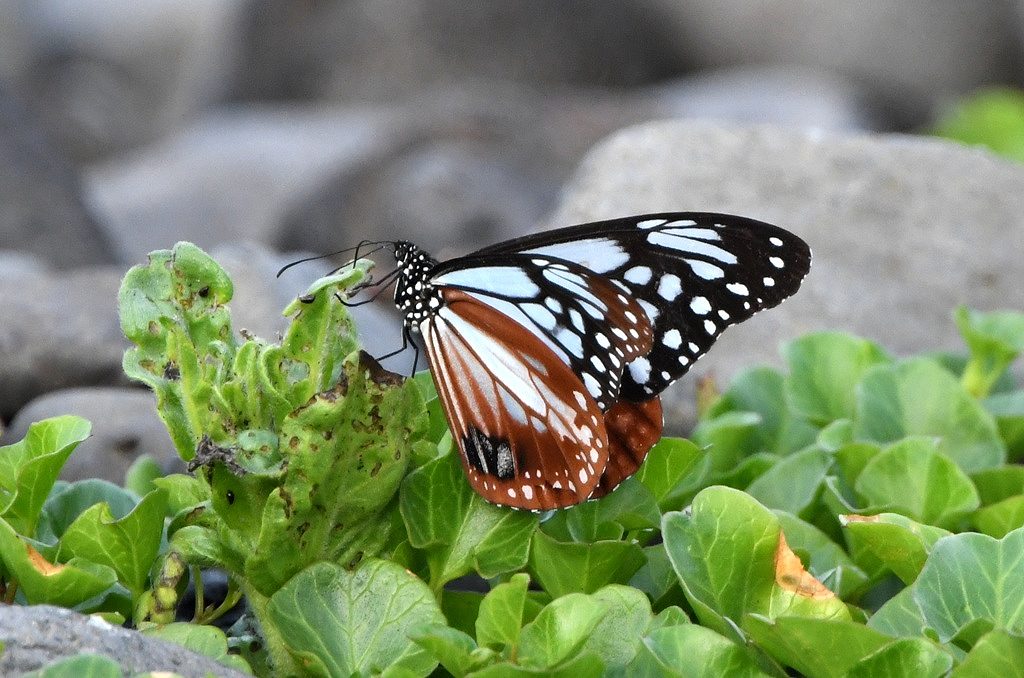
(852, 514)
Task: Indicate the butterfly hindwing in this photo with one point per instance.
(529, 434)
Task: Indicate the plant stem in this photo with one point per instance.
(197, 584)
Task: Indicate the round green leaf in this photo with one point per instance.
(728, 526)
(913, 478)
(918, 397)
(560, 630)
(339, 622)
(825, 368)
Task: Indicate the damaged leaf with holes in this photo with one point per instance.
(298, 447)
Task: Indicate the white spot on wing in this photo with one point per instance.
(598, 254)
(639, 275)
(672, 339)
(777, 262)
(675, 239)
(775, 241)
(738, 288)
(640, 370)
(669, 287)
(651, 223)
(710, 327)
(704, 270)
(507, 280)
(700, 305)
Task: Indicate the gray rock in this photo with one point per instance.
(59, 330)
(41, 634)
(380, 50)
(444, 194)
(125, 425)
(41, 208)
(790, 96)
(915, 52)
(903, 229)
(105, 75)
(231, 175)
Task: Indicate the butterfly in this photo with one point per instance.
(549, 351)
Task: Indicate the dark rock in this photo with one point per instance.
(125, 425)
(59, 330)
(380, 50)
(903, 229)
(913, 53)
(39, 635)
(104, 76)
(41, 208)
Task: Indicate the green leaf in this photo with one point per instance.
(900, 543)
(183, 492)
(560, 630)
(657, 579)
(81, 666)
(208, 641)
(338, 491)
(728, 526)
(997, 484)
(128, 546)
(670, 465)
(995, 340)
(630, 506)
(917, 397)
(997, 654)
(968, 579)
(909, 657)
(140, 475)
(458, 529)
(462, 608)
(1000, 518)
(451, 647)
(579, 665)
(762, 391)
(501, 613)
(29, 467)
(617, 637)
(1008, 410)
(913, 478)
(64, 506)
(993, 117)
(794, 483)
(691, 650)
(825, 368)
(47, 583)
(815, 647)
(567, 567)
(728, 438)
(336, 622)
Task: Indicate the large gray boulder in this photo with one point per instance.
(41, 634)
(903, 229)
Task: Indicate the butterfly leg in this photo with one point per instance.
(406, 341)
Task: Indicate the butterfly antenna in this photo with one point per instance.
(356, 248)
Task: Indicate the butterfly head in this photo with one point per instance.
(415, 297)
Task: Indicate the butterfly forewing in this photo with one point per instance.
(694, 273)
(529, 434)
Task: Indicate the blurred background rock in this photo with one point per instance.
(260, 128)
